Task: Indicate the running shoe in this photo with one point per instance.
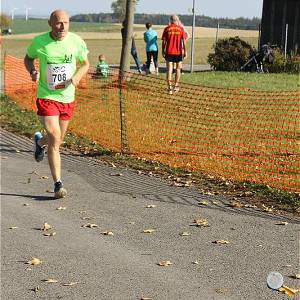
(59, 190)
(176, 89)
(39, 152)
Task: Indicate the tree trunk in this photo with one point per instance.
(127, 40)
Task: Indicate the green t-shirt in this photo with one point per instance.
(57, 65)
(102, 69)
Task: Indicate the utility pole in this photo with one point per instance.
(217, 32)
(193, 39)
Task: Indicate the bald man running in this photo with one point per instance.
(58, 52)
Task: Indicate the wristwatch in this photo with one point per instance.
(33, 72)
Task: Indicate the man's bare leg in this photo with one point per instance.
(178, 75)
(56, 130)
(169, 76)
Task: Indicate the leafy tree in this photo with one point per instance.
(119, 8)
(4, 21)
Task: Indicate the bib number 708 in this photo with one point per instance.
(59, 77)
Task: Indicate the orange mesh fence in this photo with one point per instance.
(238, 134)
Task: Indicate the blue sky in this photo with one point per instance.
(212, 8)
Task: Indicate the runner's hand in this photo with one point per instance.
(75, 81)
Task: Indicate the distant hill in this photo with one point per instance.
(159, 19)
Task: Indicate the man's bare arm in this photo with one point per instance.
(29, 65)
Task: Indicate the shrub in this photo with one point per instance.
(230, 54)
(280, 65)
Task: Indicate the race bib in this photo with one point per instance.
(59, 76)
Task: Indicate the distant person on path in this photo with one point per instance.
(133, 48)
(173, 50)
(102, 68)
(58, 51)
(150, 38)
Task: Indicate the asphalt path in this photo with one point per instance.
(125, 265)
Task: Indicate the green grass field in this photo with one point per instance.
(112, 49)
(20, 26)
(254, 81)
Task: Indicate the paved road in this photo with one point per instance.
(124, 266)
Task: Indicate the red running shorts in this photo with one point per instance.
(48, 107)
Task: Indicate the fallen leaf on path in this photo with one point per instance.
(222, 291)
(89, 225)
(209, 193)
(235, 204)
(289, 291)
(86, 218)
(71, 283)
(205, 203)
(195, 262)
(185, 233)
(34, 172)
(201, 223)
(34, 261)
(113, 165)
(116, 174)
(13, 227)
(151, 206)
(18, 151)
(82, 211)
(46, 227)
(179, 184)
(61, 208)
(282, 223)
(44, 177)
(267, 209)
(145, 298)
(49, 233)
(50, 280)
(107, 233)
(148, 230)
(36, 289)
(165, 263)
(25, 204)
(221, 242)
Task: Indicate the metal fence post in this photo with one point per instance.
(286, 40)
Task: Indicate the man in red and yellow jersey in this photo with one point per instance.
(174, 51)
